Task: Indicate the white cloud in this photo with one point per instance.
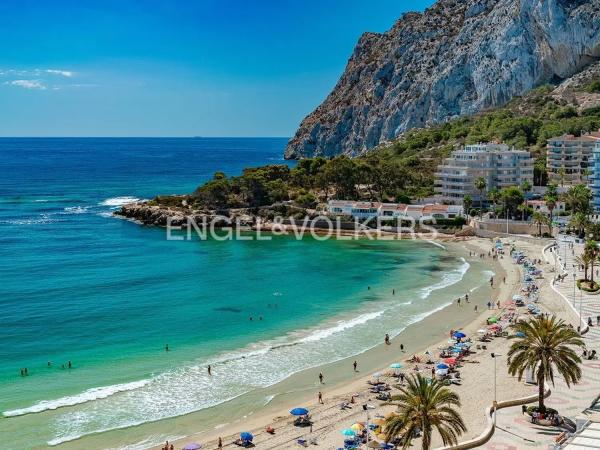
(27, 84)
(64, 73)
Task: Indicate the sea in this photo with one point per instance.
(81, 287)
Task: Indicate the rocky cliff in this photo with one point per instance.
(457, 58)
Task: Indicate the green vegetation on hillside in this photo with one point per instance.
(405, 168)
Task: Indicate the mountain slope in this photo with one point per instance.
(457, 58)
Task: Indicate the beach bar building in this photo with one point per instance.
(371, 210)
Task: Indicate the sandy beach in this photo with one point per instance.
(477, 374)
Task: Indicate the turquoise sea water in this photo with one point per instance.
(106, 294)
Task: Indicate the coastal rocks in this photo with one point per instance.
(457, 58)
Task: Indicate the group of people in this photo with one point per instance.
(25, 372)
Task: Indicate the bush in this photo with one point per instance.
(532, 409)
(594, 86)
(588, 286)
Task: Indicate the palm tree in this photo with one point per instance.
(539, 219)
(551, 199)
(548, 346)
(584, 260)
(591, 249)
(480, 185)
(578, 198)
(425, 404)
(526, 188)
(579, 222)
(561, 174)
(467, 204)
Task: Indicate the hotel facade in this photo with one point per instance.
(499, 165)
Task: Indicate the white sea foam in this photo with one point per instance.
(86, 396)
(437, 244)
(341, 326)
(76, 210)
(119, 201)
(448, 279)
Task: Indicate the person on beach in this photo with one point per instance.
(321, 377)
(498, 303)
(355, 365)
(320, 398)
(475, 308)
(467, 298)
(402, 345)
(458, 301)
(492, 281)
(209, 370)
(387, 339)
(393, 291)
(401, 378)
(597, 320)
(489, 305)
(220, 443)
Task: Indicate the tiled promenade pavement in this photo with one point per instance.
(513, 430)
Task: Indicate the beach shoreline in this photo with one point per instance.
(276, 412)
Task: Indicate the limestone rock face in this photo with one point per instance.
(457, 58)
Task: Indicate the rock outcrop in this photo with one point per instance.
(457, 58)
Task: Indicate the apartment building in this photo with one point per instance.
(499, 165)
(568, 158)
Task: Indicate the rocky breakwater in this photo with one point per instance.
(159, 215)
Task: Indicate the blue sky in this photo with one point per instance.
(175, 68)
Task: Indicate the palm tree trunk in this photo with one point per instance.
(592, 273)
(550, 223)
(541, 405)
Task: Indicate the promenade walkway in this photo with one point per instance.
(514, 431)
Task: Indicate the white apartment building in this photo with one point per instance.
(569, 157)
(499, 165)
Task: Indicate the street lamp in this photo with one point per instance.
(495, 404)
(574, 285)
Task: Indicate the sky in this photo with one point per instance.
(176, 68)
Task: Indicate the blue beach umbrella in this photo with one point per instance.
(348, 432)
(396, 366)
(299, 412)
(520, 334)
(459, 335)
(442, 366)
(245, 436)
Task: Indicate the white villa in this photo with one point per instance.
(370, 210)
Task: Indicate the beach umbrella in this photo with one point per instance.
(520, 334)
(299, 412)
(357, 427)
(492, 320)
(442, 366)
(459, 334)
(441, 371)
(246, 436)
(376, 375)
(450, 361)
(482, 331)
(378, 421)
(192, 446)
(348, 432)
(396, 366)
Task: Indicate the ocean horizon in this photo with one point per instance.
(107, 295)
